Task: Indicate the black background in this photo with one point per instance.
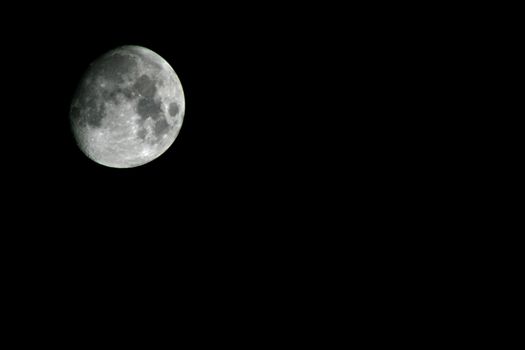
(299, 121)
(234, 208)
(250, 171)
(307, 146)
(317, 186)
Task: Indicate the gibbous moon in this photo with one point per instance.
(128, 108)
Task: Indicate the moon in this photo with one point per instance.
(128, 108)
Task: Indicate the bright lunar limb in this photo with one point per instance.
(128, 109)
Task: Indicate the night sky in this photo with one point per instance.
(310, 158)
(247, 157)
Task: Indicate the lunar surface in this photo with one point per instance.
(128, 109)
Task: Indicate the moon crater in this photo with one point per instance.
(174, 109)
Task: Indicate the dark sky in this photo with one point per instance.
(284, 108)
(243, 190)
(247, 156)
(290, 111)
(304, 159)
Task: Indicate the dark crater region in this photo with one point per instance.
(161, 127)
(145, 86)
(173, 109)
(149, 108)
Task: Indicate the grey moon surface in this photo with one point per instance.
(128, 108)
